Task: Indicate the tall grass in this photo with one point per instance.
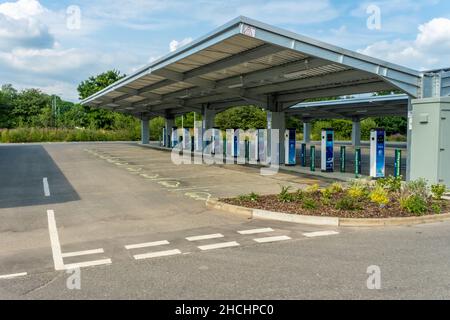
(25, 135)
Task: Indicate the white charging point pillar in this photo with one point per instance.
(377, 153)
(175, 137)
(327, 150)
(290, 147)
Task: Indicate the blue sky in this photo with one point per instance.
(53, 45)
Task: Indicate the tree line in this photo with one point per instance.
(31, 108)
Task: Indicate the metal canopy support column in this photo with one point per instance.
(145, 133)
(208, 117)
(356, 132)
(170, 123)
(306, 132)
(276, 120)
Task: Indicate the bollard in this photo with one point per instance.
(313, 158)
(303, 155)
(343, 158)
(192, 144)
(358, 162)
(398, 163)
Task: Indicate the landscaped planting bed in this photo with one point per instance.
(384, 198)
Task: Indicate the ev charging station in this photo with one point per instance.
(215, 140)
(174, 137)
(235, 150)
(290, 147)
(261, 141)
(164, 137)
(198, 136)
(377, 153)
(327, 150)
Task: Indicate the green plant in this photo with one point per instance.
(414, 204)
(336, 187)
(299, 195)
(357, 192)
(417, 187)
(391, 183)
(313, 188)
(436, 207)
(309, 203)
(348, 203)
(438, 190)
(379, 196)
(284, 195)
(326, 193)
(253, 197)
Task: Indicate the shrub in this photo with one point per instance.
(327, 193)
(438, 191)
(336, 188)
(309, 204)
(348, 203)
(284, 196)
(313, 188)
(299, 195)
(417, 187)
(391, 183)
(414, 204)
(253, 197)
(436, 207)
(379, 196)
(357, 192)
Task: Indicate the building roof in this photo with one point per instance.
(249, 62)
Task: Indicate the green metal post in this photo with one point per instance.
(398, 163)
(343, 158)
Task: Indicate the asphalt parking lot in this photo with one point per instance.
(137, 226)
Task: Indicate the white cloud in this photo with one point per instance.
(174, 44)
(22, 9)
(430, 49)
(21, 27)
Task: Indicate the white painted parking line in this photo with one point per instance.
(82, 253)
(219, 245)
(46, 187)
(255, 231)
(146, 245)
(205, 237)
(12, 276)
(58, 255)
(157, 254)
(320, 234)
(54, 240)
(272, 239)
(87, 264)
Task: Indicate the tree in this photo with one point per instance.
(27, 106)
(96, 83)
(100, 118)
(247, 117)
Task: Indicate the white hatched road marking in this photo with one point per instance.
(146, 245)
(255, 231)
(320, 234)
(87, 264)
(157, 254)
(58, 255)
(82, 253)
(46, 187)
(219, 245)
(12, 276)
(205, 237)
(272, 239)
